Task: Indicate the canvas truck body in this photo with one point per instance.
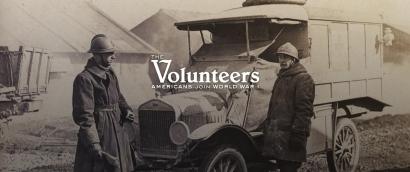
(201, 129)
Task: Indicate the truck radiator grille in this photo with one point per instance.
(154, 132)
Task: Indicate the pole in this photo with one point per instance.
(189, 41)
(202, 36)
(189, 46)
(248, 100)
(248, 49)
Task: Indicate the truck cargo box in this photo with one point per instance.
(27, 70)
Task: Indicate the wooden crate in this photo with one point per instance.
(27, 70)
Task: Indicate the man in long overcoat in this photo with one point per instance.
(290, 110)
(99, 109)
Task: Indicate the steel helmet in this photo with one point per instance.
(101, 44)
(288, 49)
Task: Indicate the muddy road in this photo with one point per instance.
(49, 145)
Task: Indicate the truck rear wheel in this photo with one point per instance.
(224, 159)
(346, 147)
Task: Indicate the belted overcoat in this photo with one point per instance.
(99, 108)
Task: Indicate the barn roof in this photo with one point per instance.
(61, 26)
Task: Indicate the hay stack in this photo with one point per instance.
(263, 2)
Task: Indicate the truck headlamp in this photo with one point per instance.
(179, 132)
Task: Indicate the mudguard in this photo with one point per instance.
(207, 131)
(226, 134)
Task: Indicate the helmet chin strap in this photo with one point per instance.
(292, 62)
(99, 59)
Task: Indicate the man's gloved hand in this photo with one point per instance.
(130, 116)
(96, 150)
(297, 141)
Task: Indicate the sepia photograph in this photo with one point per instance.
(204, 86)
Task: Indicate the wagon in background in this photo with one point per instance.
(24, 76)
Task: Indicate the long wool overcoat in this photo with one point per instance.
(290, 110)
(98, 108)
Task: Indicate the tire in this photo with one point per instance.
(344, 156)
(224, 159)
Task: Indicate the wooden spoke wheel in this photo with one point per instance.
(346, 147)
(224, 159)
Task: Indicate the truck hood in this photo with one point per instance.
(196, 103)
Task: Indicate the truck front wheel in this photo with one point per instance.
(224, 159)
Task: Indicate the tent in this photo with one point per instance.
(159, 31)
(61, 26)
(65, 28)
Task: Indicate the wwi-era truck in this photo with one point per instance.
(212, 131)
(24, 76)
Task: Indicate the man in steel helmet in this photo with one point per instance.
(99, 109)
(290, 110)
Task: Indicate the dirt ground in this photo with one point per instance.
(49, 145)
(384, 145)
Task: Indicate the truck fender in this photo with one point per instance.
(205, 131)
(226, 134)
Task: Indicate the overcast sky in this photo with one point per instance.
(129, 13)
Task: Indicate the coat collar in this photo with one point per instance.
(96, 69)
(293, 70)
